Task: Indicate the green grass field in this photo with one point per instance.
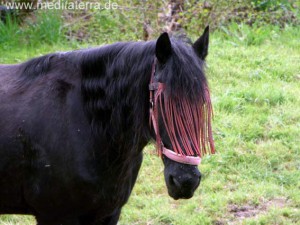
(254, 178)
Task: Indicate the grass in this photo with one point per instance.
(255, 176)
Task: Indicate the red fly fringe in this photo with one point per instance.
(187, 124)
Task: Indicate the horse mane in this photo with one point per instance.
(114, 87)
(128, 57)
(115, 79)
(38, 66)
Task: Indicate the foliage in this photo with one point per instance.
(103, 26)
(221, 13)
(132, 18)
(242, 34)
(43, 28)
(9, 32)
(46, 28)
(271, 5)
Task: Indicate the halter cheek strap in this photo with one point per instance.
(155, 88)
(191, 160)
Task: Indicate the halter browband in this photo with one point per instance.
(156, 88)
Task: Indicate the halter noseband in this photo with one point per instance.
(154, 88)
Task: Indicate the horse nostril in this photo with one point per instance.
(171, 181)
(174, 182)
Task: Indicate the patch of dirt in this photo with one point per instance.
(276, 203)
(250, 211)
(245, 211)
(297, 77)
(218, 222)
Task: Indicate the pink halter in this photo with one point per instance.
(156, 88)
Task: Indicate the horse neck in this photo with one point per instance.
(115, 91)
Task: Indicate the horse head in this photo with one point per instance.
(180, 111)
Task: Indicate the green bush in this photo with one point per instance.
(128, 22)
(221, 13)
(9, 32)
(46, 28)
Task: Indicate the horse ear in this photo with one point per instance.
(163, 48)
(201, 45)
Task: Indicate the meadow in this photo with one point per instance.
(254, 178)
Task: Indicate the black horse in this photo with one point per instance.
(73, 126)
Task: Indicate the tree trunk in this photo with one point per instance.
(171, 16)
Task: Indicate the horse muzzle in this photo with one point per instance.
(181, 179)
